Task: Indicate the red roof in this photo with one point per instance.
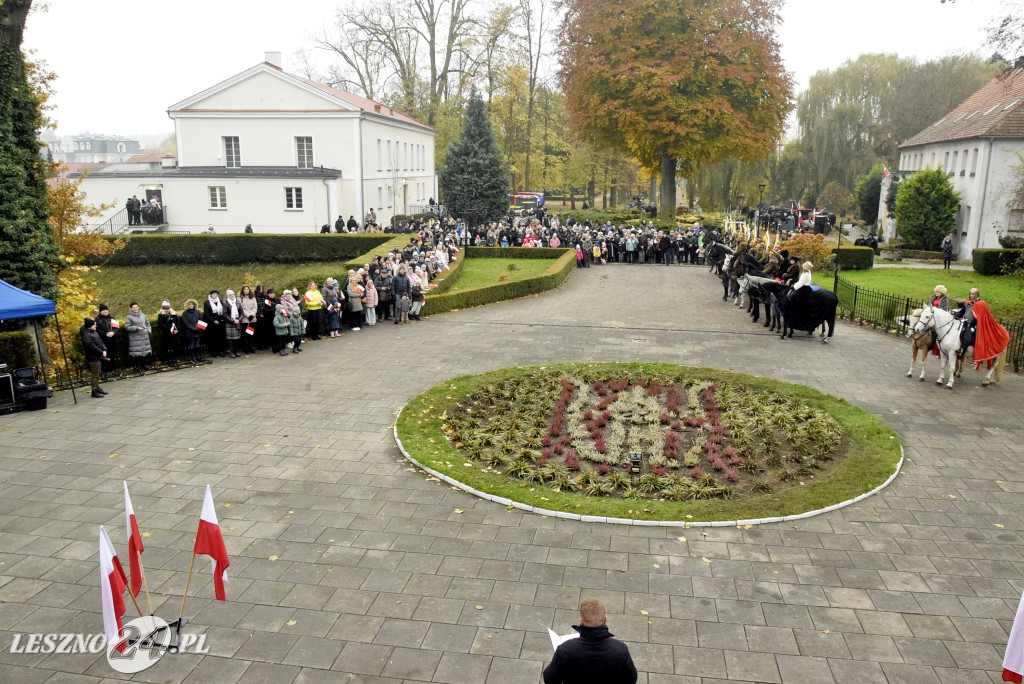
(996, 110)
(363, 103)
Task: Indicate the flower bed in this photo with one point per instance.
(648, 440)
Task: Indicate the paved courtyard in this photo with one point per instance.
(347, 566)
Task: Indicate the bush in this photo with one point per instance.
(241, 248)
(811, 247)
(17, 349)
(996, 261)
(855, 258)
(551, 278)
(926, 207)
(923, 254)
(1012, 241)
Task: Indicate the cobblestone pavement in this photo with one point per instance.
(343, 562)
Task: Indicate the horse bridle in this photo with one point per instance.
(949, 329)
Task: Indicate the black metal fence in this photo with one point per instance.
(892, 312)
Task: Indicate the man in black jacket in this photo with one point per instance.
(95, 350)
(593, 658)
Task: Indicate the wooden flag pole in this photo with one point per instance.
(187, 580)
(145, 585)
(130, 594)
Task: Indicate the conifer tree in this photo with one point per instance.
(473, 176)
(28, 254)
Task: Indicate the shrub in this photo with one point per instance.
(926, 207)
(855, 258)
(17, 349)
(810, 247)
(1012, 241)
(241, 248)
(995, 261)
(923, 254)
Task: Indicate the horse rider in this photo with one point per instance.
(939, 298)
(970, 326)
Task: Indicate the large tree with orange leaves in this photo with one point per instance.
(678, 84)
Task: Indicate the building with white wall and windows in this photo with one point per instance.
(283, 153)
(981, 144)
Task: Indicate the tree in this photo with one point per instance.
(28, 255)
(536, 27)
(678, 84)
(835, 198)
(473, 176)
(869, 193)
(926, 207)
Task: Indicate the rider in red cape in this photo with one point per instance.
(992, 338)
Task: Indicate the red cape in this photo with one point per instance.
(992, 338)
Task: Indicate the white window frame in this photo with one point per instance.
(238, 151)
(380, 154)
(380, 196)
(974, 162)
(218, 197)
(293, 199)
(391, 195)
(389, 156)
(298, 152)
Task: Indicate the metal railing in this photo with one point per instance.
(118, 223)
(892, 311)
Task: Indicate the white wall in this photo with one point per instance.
(411, 165)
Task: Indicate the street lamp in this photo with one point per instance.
(760, 191)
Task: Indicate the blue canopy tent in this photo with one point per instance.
(18, 304)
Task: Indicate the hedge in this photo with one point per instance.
(995, 261)
(551, 278)
(17, 349)
(923, 254)
(855, 258)
(242, 248)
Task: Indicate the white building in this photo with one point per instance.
(284, 154)
(979, 143)
(92, 149)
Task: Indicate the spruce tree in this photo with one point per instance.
(473, 176)
(28, 252)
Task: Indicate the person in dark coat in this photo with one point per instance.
(595, 657)
(400, 285)
(95, 351)
(213, 316)
(107, 328)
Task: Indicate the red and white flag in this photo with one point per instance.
(308, 297)
(885, 173)
(446, 267)
(112, 584)
(249, 330)
(201, 325)
(210, 542)
(360, 289)
(135, 547)
(268, 303)
(1013, 661)
(114, 324)
(174, 329)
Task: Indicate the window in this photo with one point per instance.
(120, 147)
(389, 155)
(953, 167)
(380, 196)
(218, 198)
(963, 163)
(232, 151)
(380, 154)
(293, 198)
(405, 155)
(931, 160)
(391, 194)
(88, 145)
(945, 164)
(304, 152)
(974, 161)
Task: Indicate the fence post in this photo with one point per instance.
(853, 311)
(906, 315)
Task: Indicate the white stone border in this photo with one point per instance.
(628, 521)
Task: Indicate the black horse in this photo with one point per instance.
(803, 309)
(715, 255)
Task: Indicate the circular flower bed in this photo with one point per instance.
(648, 441)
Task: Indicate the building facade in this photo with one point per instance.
(980, 143)
(284, 154)
(92, 149)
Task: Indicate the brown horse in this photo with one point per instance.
(919, 342)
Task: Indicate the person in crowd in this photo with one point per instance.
(169, 324)
(370, 302)
(400, 285)
(95, 352)
(386, 298)
(354, 295)
(339, 225)
(250, 308)
(947, 252)
(295, 327)
(190, 318)
(232, 323)
(282, 329)
(595, 657)
(352, 224)
(213, 316)
(138, 328)
(248, 228)
(314, 309)
(107, 327)
(334, 308)
(966, 313)
(417, 298)
(266, 304)
(940, 300)
(404, 305)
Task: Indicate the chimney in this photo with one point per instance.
(273, 59)
(168, 163)
(376, 108)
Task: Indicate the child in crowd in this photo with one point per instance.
(296, 327)
(404, 306)
(334, 316)
(282, 329)
(417, 302)
(370, 303)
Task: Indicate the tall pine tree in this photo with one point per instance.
(473, 176)
(28, 253)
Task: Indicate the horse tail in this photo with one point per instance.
(1000, 363)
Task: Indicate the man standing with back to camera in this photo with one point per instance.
(595, 657)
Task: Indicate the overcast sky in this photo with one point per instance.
(121, 63)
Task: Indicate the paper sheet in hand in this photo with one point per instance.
(558, 639)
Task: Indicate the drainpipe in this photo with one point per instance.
(327, 192)
(984, 190)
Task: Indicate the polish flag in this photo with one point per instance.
(308, 297)
(112, 585)
(360, 289)
(1013, 661)
(885, 173)
(269, 303)
(201, 325)
(209, 542)
(446, 267)
(114, 324)
(135, 547)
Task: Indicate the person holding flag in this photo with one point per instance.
(314, 310)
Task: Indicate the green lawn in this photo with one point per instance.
(150, 285)
(1001, 292)
(480, 272)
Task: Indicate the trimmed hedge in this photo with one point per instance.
(924, 254)
(17, 349)
(406, 218)
(242, 248)
(854, 258)
(995, 261)
(551, 278)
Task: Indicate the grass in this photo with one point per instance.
(483, 272)
(872, 454)
(1000, 292)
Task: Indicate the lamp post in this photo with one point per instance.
(760, 191)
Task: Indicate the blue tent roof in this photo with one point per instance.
(15, 303)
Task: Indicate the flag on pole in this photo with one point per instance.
(201, 325)
(885, 173)
(135, 547)
(308, 297)
(114, 324)
(210, 542)
(1013, 661)
(112, 584)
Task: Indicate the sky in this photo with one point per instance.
(121, 64)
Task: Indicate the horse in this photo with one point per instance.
(947, 332)
(919, 342)
(715, 256)
(751, 286)
(807, 312)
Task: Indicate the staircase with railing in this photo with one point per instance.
(118, 223)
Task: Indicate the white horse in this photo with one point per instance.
(919, 341)
(947, 336)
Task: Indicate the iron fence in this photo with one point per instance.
(892, 312)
